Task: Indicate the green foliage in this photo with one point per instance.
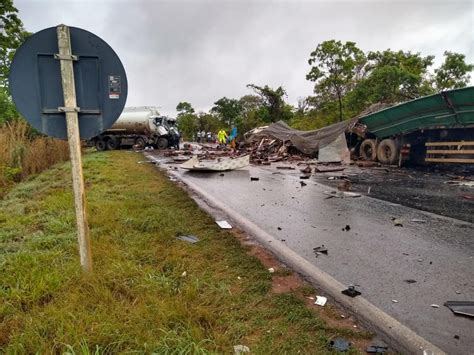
(336, 66)
(8, 110)
(273, 100)
(228, 110)
(453, 73)
(137, 300)
(11, 36)
(184, 107)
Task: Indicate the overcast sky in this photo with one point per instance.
(200, 51)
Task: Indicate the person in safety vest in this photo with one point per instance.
(222, 136)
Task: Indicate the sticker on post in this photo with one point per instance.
(115, 87)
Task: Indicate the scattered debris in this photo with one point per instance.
(224, 224)
(347, 228)
(302, 183)
(377, 348)
(351, 291)
(321, 300)
(279, 228)
(328, 169)
(320, 250)
(435, 305)
(394, 301)
(344, 185)
(460, 183)
(284, 167)
(188, 238)
(145, 162)
(254, 178)
(368, 190)
(216, 165)
(341, 194)
(465, 308)
(304, 177)
(339, 344)
(240, 349)
(397, 222)
(418, 220)
(307, 170)
(456, 336)
(271, 270)
(184, 274)
(410, 281)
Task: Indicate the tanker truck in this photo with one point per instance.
(140, 127)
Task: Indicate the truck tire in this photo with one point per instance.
(162, 143)
(113, 144)
(140, 143)
(100, 145)
(368, 150)
(388, 152)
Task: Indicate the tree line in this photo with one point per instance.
(346, 80)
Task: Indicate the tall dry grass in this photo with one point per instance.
(22, 154)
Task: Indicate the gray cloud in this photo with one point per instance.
(199, 51)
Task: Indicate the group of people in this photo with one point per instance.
(223, 138)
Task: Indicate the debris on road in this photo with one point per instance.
(410, 281)
(224, 224)
(307, 170)
(321, 301)
(220, 164)
(465, 308)
(377, 348)
(254, 178)
(320, 250)
(339, 344)
(328, 169)
(351, 291)
(418, 220)
(188, 238)
(397, 222)
(302, 183)
(394, 301)
(304, 177)
(435, 305)
(284, 167)
(347, 228)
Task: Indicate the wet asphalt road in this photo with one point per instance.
(379, 257)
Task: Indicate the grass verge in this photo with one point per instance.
(149, 292)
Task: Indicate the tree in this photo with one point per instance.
(453, 73)
(184, 107)
(12, 35)
(228, 110)
(273, 101)
(336, 67)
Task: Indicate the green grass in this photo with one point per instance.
(136, 300)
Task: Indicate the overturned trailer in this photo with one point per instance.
(433, 129)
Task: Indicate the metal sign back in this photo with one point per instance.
(100, 83)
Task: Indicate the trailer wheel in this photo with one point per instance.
(368, 150)
(140, 143)
(112, 144)
(162, 143)
(100, 145)
(388, 152)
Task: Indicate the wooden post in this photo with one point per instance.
(70, 108)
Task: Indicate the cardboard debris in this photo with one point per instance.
(224, 224)
(223, 164)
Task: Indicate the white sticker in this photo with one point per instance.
(114, 96)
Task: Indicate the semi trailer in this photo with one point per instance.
(140, 127)
(433, 129)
